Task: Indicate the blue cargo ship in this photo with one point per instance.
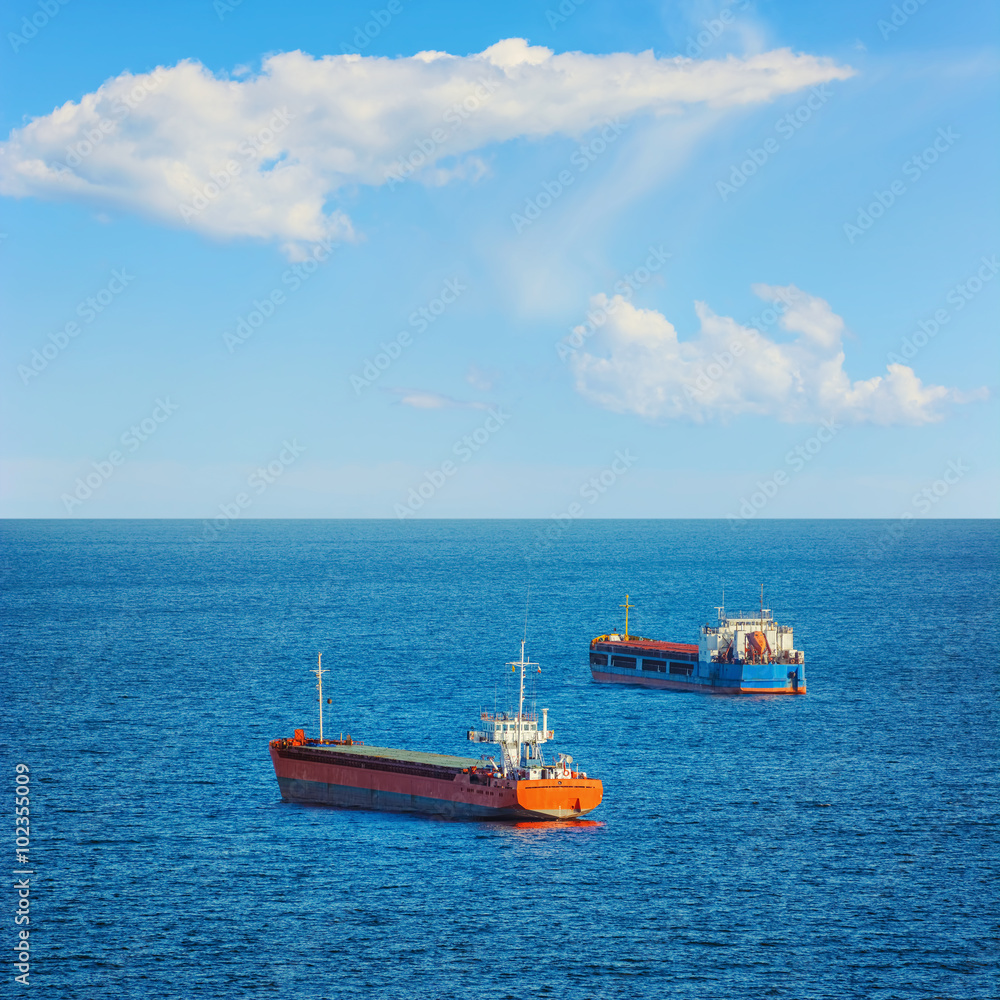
(743, 654)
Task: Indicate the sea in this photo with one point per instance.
(841, 844)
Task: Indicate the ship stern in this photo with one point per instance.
(560, 799)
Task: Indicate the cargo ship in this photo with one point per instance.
(743, 654)
(521, 785)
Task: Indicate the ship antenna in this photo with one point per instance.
(527, 599)
(319, 671)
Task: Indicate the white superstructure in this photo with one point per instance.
(520, 737)
(740, 638)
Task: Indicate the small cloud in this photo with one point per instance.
(421, 400)
(471, 169)
(481, 380)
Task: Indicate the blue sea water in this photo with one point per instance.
(841, 844)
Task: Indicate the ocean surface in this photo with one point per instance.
(841, 844)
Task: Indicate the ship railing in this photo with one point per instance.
(754, 616)
(283, 743)
(782, 656)
(507, 717)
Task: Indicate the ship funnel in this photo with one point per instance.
(545, 722)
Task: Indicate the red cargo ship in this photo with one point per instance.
(521, 786)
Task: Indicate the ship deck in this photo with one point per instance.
(634, 642)
(403, 756)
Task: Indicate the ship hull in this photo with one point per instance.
(707, 679)
(357, 781)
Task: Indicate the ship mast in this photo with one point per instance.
(626, 606)
(520, 709)
(520, 705)
(516, 735)
(319, 671)
(519, 730)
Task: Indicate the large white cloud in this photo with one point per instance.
(168, 143)
(639, 365)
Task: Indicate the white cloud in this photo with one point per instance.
(480, 379)
(419, 399)
(729, 370)
(262, 156)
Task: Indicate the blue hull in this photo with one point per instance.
(713, 678)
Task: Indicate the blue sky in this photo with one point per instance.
(781, 220)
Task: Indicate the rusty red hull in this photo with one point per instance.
(361, 779)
